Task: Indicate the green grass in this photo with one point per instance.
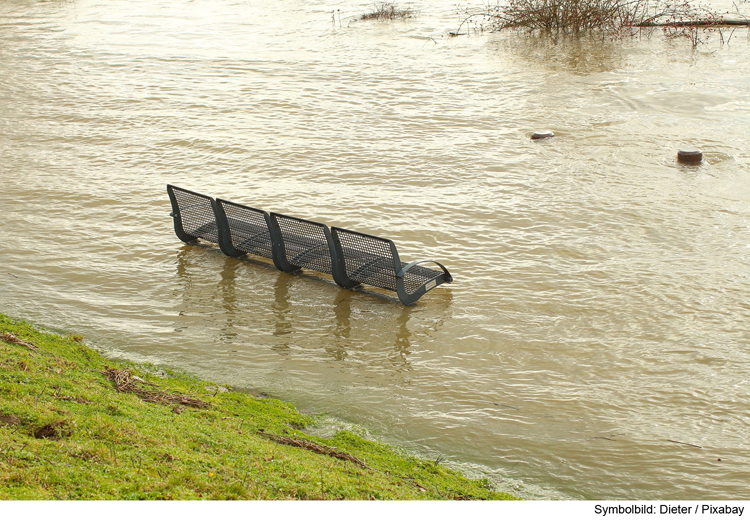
(67, 433)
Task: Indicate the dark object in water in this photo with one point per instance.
(540, 135)
(692, 156)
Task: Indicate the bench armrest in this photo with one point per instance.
(409, 298)
(448, 277)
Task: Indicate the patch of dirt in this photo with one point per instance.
(10, 420)
(54, 430)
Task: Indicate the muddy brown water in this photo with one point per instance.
(595, 341)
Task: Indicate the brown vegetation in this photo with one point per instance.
(313, 447)
(9, 338)
(125, 382)
(612, 18)
(388, 11)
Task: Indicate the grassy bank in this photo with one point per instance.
(75, 425)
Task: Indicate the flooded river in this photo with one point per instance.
(594, 344)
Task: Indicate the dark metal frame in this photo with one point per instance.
(226, 239)
(187, 235)
(409, 280)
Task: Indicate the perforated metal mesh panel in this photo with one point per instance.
(196, 215)
(368, 259)
(305, 243)
(248, 229)
(416, 276)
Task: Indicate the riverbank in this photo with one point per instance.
(76, 425)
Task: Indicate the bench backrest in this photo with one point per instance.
(367, 259)
(249, 229)
(303, 243)
(193, 215)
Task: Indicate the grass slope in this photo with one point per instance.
(67, 432)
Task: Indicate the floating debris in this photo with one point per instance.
(540, 135)
(693, 156)
(686, 444)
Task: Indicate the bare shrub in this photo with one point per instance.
(388, 11)
(570, 16)
(614, 18)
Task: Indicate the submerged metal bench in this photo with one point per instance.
(351, 258)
